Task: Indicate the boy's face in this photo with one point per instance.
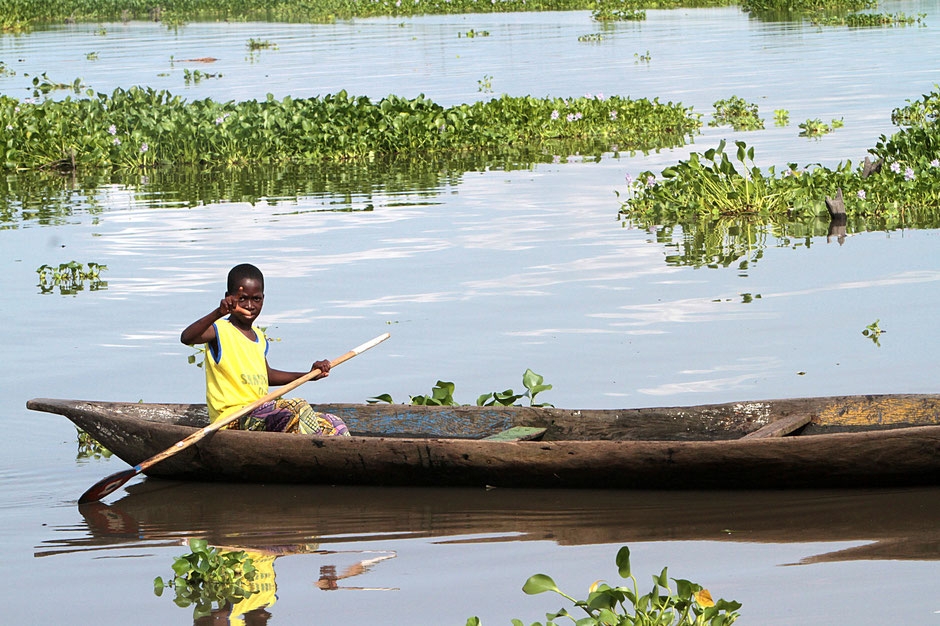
(250, 296)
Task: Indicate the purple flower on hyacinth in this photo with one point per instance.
(896, 167)
(144, 147)
(589, 96)
(935, 163)
(116, 141)
(613, 115)
(555, 114)
(909, 173)
(556, 159)
(9, 127)
(861, 194)
(570, 117)
(600, 96)
(112, 129)
(629, 179)
(650, 180)
(219, 120)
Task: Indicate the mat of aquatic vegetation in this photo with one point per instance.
(144, 127)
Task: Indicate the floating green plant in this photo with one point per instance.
(5, 70)
(642, 58)
(737, 113)
(196, 76)
(816, 127)
(901, 188)
(871, 20)
(712, 184)
(42, 85)
(474, 33)
(144, 127)
(591, 37)
(17, 15)
(70, 277)
(781, 117)
(442, 394)
(918, 112)
(89, 448)
(613, 14)
(873, 332)
(257, 44)
(209, 578)
(91, 56)
(485, 84)
(790, 9)
(689, 605)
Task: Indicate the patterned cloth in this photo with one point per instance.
(292, 415)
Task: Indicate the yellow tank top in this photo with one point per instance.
(238, 374)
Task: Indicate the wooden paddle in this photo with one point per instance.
(112, 482)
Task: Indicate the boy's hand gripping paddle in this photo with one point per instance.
(112, 482)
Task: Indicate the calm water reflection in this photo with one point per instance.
(345, 538)
(480, 266)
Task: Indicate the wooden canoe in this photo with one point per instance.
(847, 441)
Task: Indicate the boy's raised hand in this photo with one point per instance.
(229, 303)
(324, 367)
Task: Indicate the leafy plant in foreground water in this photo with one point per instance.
(689, 605)
(209, 578)
(781, 117)
(442, 394)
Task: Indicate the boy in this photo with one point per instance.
(237, 370)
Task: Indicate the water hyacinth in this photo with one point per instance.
(164, 129)
(733, 190)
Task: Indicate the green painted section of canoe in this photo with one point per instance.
(517, 433)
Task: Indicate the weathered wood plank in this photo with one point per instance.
(781, 427)
(517, 433)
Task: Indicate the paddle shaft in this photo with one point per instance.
(109, 484)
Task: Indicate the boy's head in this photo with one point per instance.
(241, 273)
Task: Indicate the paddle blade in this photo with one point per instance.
(106, 485)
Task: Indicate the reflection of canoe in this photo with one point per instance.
(892, 523)
(849, 441)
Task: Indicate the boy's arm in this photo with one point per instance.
(276, 378)
(202, 330)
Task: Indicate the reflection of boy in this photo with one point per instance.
(251, 610)
(237, 370)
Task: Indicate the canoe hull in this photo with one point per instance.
(893, 456)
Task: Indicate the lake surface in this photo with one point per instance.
(480, 268)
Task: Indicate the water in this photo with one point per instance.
(479, 269)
